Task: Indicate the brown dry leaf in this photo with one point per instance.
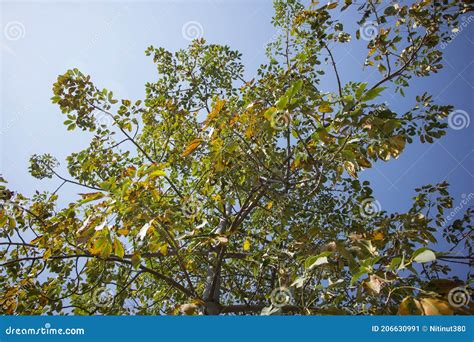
(434, 306)
(373, 285)
(193, 145)
(188, 309)
(410, 306)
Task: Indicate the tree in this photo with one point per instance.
(219, 195)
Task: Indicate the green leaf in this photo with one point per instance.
(372, 94)
(360, 90)
(356, 276)
(282, 103)
(316, 260)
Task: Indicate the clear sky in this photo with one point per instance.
(107, 39)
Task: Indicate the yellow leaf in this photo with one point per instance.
(269, 205)
(118, 248)
(378, 236)
(36, 240)
(123, 232)
(164, 249)
(47, 254)
(246, 245)
(193, 145)
(214, 112)
(91, 197)
(157, 173)
(325, 108)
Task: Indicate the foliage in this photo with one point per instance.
(214, 192)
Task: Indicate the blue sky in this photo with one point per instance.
(107, 39)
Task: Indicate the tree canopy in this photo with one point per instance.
(220, 195)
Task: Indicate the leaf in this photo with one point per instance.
(164, 249)
(93, 196)
(320, 261)
(317, 260)
(36, 240)
(144, 230)
(47, 254)
(348, 256)
(136, 259)
(223, 240)
(188, 309)
(101, 226)
(434, 306)
(325, 108)
(377, 236)
(410, 306)
(216, 109)
(118, 248)
(282, 102)
(351, 169)
(356, 276)
(299, 282)
(360, 90)
(372, 94)
(423, 255)
(398, 141)
(246, 245)
(157, 173)
(373, 285)
(193, 145)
